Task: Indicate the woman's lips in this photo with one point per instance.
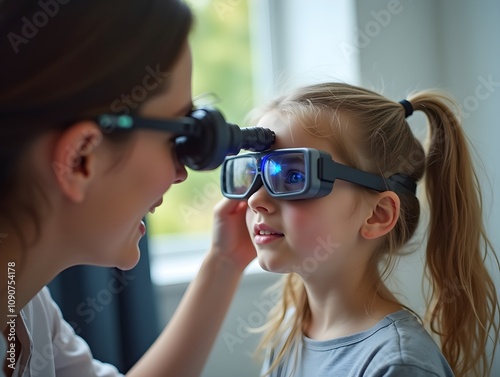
(157, 204)
(142, 228)
(142, 225)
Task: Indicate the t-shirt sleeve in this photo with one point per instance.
(72, 355)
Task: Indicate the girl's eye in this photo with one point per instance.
(294, 176)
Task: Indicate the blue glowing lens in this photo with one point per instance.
(285, 173)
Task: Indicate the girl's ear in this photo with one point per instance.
(74, 158)
(383, 217)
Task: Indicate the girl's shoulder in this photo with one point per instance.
(404, 344)
(400, 336)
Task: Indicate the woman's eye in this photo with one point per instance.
(294, 176)
(171, 143)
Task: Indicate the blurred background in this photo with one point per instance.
(246, 51)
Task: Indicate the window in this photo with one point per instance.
(180, 229)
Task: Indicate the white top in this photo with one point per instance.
(49, 345)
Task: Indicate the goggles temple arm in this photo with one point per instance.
(330, 170)
(181, 126)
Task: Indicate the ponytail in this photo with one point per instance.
(464, 301)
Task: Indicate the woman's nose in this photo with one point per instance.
(261, 201)
(180, 169)
(180, 172)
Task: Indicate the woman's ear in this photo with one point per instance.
(383, 217)
(74, 158)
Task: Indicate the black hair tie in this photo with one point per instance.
(407, 106)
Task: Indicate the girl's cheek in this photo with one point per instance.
(249, 217)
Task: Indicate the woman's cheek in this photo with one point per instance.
(162, 176)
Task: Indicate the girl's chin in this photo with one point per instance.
(272, 265)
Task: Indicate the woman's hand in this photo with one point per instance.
(231, 239)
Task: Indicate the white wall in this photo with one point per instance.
(390, 45)
(451, 45)
(303, 43)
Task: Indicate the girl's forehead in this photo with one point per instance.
(291, 132)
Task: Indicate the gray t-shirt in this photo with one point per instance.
(396, 346)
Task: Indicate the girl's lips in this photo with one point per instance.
(264, 234)
(264, 239)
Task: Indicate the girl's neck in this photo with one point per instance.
(352, 308)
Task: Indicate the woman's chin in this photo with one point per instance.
(127, 261)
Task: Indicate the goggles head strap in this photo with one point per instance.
(402, 183)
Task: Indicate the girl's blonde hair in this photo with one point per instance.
(457, 242)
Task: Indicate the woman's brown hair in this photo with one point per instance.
(63, 61)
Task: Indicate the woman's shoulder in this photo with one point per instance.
(41, 310)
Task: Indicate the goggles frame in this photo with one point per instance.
(203, 138)
(321, 171)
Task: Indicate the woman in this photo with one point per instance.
(72, 192)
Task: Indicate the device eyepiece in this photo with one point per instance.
(213, 139)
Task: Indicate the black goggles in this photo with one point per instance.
(299, 173)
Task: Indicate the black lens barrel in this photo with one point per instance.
(215, 139)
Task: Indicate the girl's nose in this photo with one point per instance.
(261, 201)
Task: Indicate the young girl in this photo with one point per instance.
(334, 204)
(74, 191)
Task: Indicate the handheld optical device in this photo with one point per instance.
(214, 139)
(204, 137)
